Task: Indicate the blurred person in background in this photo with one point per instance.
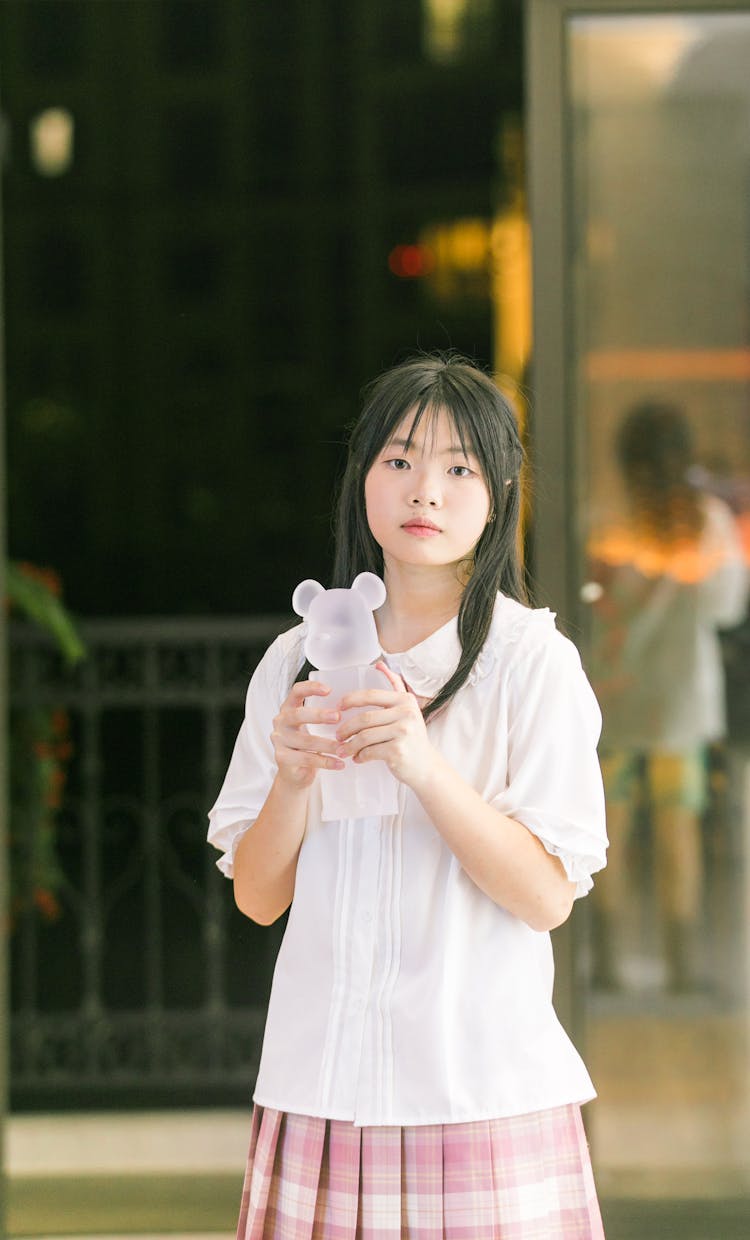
(666, 578)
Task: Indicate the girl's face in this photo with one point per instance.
(427, 504)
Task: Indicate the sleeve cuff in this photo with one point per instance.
(227, 841)
(577, 869)
(581, 851)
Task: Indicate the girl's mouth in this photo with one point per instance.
(421, 528)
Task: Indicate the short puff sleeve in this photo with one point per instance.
(554, 783)
(252, 768)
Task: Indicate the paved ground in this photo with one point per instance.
(138, 1142)
(126, 1174)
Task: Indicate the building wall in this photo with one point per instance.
(194, 304)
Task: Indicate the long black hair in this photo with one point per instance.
(486, 425)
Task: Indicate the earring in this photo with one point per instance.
(491, 517)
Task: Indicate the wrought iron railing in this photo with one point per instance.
(149, 986)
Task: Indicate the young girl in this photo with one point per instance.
(414, 1080)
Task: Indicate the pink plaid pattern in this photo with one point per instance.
(524, 1178)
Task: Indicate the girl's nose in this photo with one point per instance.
(426, 492)
(424, 497)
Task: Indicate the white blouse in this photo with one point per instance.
(402, 993)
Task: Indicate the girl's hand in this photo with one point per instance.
(394, 732)
(299, 754)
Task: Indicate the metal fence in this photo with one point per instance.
(149, 986)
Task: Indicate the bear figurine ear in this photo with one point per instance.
(371, 588)
(304, 594)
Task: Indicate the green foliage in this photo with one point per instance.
(32, 593)
(40, 749)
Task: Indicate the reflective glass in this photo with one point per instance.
(660, 124)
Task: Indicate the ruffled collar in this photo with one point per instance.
(427, 666)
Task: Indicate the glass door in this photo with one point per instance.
(647, 270)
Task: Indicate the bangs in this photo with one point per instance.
(470, 401)
(429, 409)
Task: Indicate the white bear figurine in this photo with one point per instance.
(342, 642)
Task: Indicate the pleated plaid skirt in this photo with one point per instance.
(528, 1177)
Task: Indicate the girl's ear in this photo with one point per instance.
(304, 594)
(371, 588)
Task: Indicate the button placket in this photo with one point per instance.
(374, 1096)
(370, 934)
(355, 952)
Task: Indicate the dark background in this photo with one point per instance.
(193, 307)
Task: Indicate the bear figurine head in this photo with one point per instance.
(341, 628)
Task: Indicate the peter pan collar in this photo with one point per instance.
(427, 666)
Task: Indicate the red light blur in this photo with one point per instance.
(409, 262)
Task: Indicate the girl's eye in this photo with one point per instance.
(398, 463)
(460, 471)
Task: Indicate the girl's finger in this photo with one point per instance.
(297, 741)
(306, 688)
(393, 677)
(383, 716)
(299, 715)
(367, 738)
(371, 753)
(299, 757)
(372, 697)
